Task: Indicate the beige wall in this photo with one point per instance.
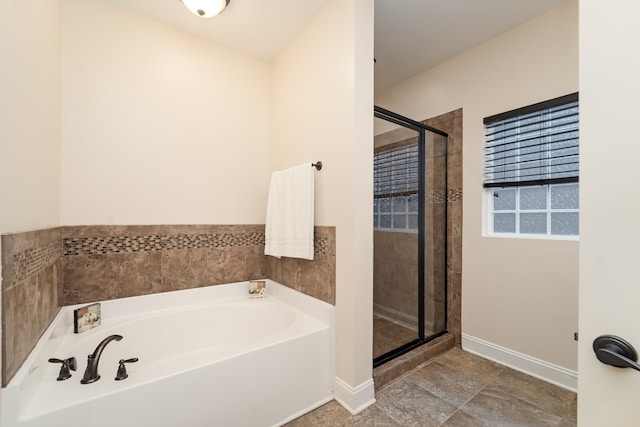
(159, 127)
(520, 294)
(30, 43)
(322, 87)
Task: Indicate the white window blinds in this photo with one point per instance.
(395, 172)
(534, 145)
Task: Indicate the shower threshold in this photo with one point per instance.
(411, 357)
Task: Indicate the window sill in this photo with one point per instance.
(533, 237)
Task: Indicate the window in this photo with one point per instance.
(531, 169)
(395, 189)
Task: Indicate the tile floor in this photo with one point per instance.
(457, 389)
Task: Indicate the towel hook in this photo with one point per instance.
(317, 165)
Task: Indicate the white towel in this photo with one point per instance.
(289, 225)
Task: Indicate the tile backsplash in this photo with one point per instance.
(45, 269)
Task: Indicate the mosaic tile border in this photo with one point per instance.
(320, 245)
(148, 243)
(454, 195)
(32, 260)
(435, 196)
(442, 196)
(191, 241)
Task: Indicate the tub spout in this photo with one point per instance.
(91, 373)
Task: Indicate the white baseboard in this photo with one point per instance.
(356, 399)
(545, 371)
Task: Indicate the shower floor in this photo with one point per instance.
(389, 334)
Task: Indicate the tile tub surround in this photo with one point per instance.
(316, 278)
(31, 292)
(45, 269)
(107, 262)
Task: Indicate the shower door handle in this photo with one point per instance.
(614, 351)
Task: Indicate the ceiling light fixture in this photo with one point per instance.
(206, 8)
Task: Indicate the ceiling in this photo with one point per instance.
(414, 35)
(410, 35)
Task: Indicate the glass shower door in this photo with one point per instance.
(409, 227)
(396, 244)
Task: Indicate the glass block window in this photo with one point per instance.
(531, 169)
(395, 188)
(550, 209)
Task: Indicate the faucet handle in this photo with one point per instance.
(67, 364)
(122, 370)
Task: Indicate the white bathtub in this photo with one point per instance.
(207, 357)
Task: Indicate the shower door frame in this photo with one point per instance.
(421, 128)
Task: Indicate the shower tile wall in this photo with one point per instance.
(451, 123)
(31, 292)
(395, 277)
(435, 237)
(45, 269)
(395, 263)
